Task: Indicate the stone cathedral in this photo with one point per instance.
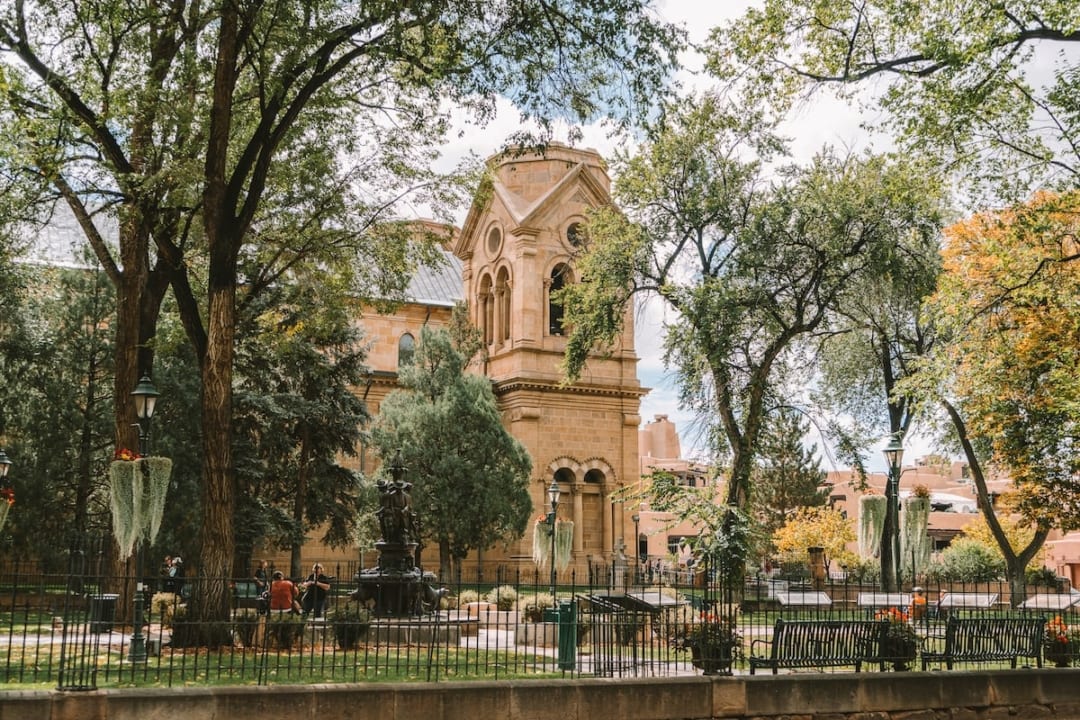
(515, 249)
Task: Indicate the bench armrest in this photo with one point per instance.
(759, 641)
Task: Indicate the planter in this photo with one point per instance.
(137, 491)
(349, 633)
(712, 659)
(1060, 654)
(246, 627)
(900, 651)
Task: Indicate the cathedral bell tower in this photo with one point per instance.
(517, 248)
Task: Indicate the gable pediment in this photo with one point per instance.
(579, 186)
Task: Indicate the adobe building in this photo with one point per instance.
(515, 249)
(660, 535)
(954, 504)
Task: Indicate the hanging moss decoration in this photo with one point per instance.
(914, 538)
(5, 508)
(564, 543)
(137, 491)
(871, 523)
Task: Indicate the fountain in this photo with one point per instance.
(396, 587)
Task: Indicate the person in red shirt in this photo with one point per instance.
(283, 594)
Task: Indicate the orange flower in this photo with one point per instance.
(125, 454)
(893, 615)
(8, 494)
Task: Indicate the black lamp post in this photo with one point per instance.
(5, 464)
(553, 498)
(637, 547)
(890, 541)
(146, 396)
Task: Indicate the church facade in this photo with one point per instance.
(515, 249)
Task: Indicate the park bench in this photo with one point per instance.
(989, 639)
(820, 643)
(245, 594)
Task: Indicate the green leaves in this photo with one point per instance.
(470, 476)
(969, 85)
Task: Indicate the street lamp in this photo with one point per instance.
(637, 546)
(890, 541)
(5, 464)
(146, 396)
(553, 498)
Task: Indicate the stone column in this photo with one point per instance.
(500, 317)
(605, 515)
(579, 519)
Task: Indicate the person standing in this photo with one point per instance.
(262, 577)
(176, 575)
(166, 575)
(316, 589)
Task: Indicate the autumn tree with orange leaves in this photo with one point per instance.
(1007, 308)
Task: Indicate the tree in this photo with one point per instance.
(723, 538)
(787, 475)
(470, 475)
(1016, 529)
(216, 131)
(751, 268)
(296, 415)
(822, 527)
(879, 331)
(964, 83)
(55, 368)
(1004, 373)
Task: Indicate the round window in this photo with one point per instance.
(494, 240)
(575, 234)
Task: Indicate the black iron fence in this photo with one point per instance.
(56, 631)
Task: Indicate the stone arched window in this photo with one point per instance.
(502, 303)
(560, 277)
(486, 310)
(406, 349)
(564, 476)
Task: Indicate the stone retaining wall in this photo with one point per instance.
(1051, 693)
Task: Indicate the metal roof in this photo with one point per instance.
(61, 242)
(438, 286)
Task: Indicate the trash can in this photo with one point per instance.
(102, 612)
(567, 635)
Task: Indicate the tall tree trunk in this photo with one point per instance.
(1015, 562)
(216, 362)
(219, 477)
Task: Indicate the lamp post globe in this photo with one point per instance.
(146, 396)
(5, 464)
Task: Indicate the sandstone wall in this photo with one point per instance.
(1050, 693)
